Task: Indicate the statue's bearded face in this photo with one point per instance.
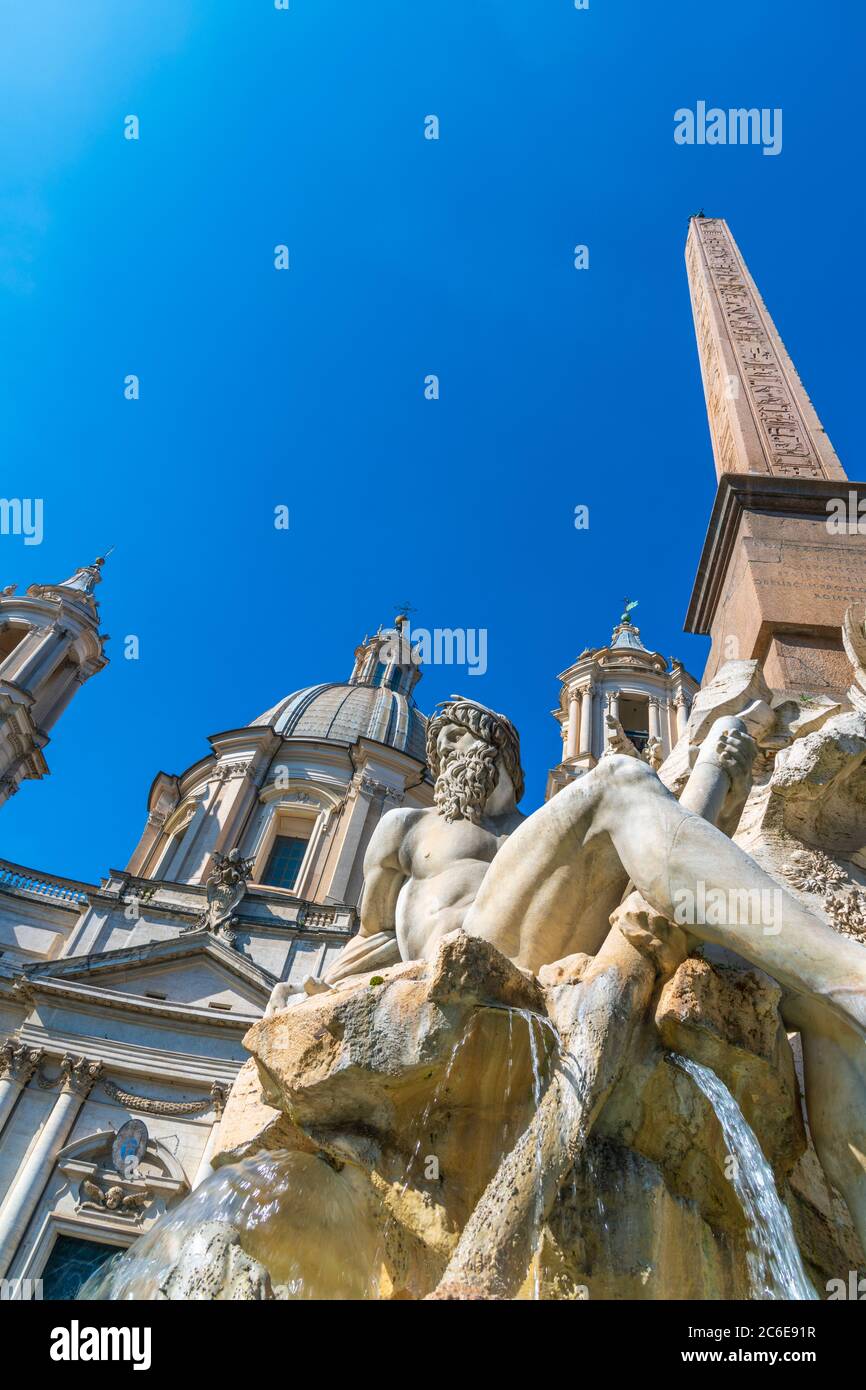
(468, 773)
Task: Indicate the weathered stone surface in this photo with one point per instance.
(212, 1265)
(822, 1222)
(822, 781)
(421, 1082)
(469, 970)
(362, 1055)
(571, 967)
(434, 1063)
(619, 1232)
(737, 1008)
(405, 1101)
(728, 1020)
(250, 1126)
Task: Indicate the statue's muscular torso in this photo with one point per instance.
(558, 875)
(437, 867)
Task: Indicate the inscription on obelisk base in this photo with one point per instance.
(775, 577)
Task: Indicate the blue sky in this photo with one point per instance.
(408, 257)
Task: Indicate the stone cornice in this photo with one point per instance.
(93, 998)
(125, 1058)
(262, 909)
(177, 949)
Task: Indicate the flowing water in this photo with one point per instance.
(283, 1225)
(775, 1267)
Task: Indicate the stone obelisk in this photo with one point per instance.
(777, 569)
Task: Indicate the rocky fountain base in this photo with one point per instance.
(378, 1121)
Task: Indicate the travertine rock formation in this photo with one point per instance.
(420, 1085)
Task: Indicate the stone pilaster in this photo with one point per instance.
(571, 743)
(17, 1065)
(76, 1079)
(586, 720)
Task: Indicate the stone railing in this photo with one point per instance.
(312, 915)
(22, 880)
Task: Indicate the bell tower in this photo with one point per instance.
(50, 644)
(777, 570)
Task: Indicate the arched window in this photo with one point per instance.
(284, 861)
(634, 718)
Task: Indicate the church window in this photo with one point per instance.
(284, 861)
(633, 715)
(71, 1262)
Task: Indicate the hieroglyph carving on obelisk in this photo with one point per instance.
(761, 420)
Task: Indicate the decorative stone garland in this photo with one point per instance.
(131, 1101)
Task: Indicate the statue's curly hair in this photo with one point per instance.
(484, 723)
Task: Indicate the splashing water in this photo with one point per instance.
(775, 1267)
(285, 1225)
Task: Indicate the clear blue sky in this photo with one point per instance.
(408, 257)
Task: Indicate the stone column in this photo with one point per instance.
(24, 1195)
(682, 709)
(586, 719)
(355, 813)
(38, 662)
(17, 1065)
(571, 744)
(655, 727)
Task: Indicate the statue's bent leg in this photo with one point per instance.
(620, 822)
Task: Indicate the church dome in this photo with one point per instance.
(346, 713)
(376, 702)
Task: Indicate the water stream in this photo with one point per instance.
(282, 1225)
(775, 1267)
